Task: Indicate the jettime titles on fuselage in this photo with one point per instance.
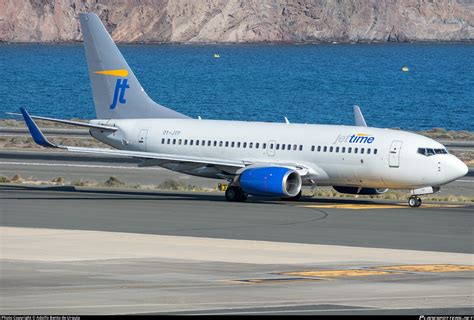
(354, 138)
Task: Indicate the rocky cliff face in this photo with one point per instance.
(242, 20)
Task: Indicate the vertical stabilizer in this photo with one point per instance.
(116, 91)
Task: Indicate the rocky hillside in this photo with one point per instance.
(242, 20)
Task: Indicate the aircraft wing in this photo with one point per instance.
(40, 139)
(359, 118)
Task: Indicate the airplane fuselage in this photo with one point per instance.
(334, 154)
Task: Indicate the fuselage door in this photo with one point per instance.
(394, 155)
(271, 148)
(142, 139)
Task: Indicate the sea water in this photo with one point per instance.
(311, 83)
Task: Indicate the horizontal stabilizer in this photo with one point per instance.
(73, 123)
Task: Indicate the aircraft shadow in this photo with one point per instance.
(127, 195)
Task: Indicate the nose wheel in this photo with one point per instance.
(414, 201)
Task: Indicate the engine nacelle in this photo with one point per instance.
(357, 190)
(271, 181)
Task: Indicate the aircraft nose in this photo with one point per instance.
(456, 168)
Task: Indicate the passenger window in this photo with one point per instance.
(215, 143)
(362, 150)
(337, 149)
(232, 144)
(312, 148)
(301, 147)
(343, 149)
(325, 149)
(208, 143)
(349, 150)
(368, 150)
(264, 146)
(271, 145)
(185, 142)
(355, 150)
(221, 143)
(257, 145)
(278, 146)
(330, 149)
(288, 147)
(163, 141)
(203, 142)
(238, 144)
(295, 147)
(375, 151)
(250, 145)
(174, 141)
(168, 141)
(283, 146)
(180, 141)
(227, 144)
(245, 145)
(319, 148)
(191, 142)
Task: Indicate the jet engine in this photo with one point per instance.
(271, 181)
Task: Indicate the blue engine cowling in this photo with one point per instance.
(357, 190)
(271, 181)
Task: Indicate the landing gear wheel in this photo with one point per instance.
(414, 201)
(295, 198)
(418, 202)
(235, 194)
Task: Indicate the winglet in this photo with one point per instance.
(35, 132)
(359, 118)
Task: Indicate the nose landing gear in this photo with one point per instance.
(414, 201)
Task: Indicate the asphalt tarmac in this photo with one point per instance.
(72, 250)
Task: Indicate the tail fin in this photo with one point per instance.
(116, 91)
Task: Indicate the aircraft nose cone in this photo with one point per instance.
(457, 168)
(463, 169)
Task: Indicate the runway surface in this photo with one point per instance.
(439, 228)
(67, 250)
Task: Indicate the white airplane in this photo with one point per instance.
(256, 158)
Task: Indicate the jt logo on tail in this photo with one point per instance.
(119, 93)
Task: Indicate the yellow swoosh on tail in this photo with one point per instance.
(117, 73)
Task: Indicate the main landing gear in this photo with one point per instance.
(414, 201)
(235, 194)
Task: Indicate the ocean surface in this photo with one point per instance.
(316, 83)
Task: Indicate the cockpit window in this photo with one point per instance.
(430, 152)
